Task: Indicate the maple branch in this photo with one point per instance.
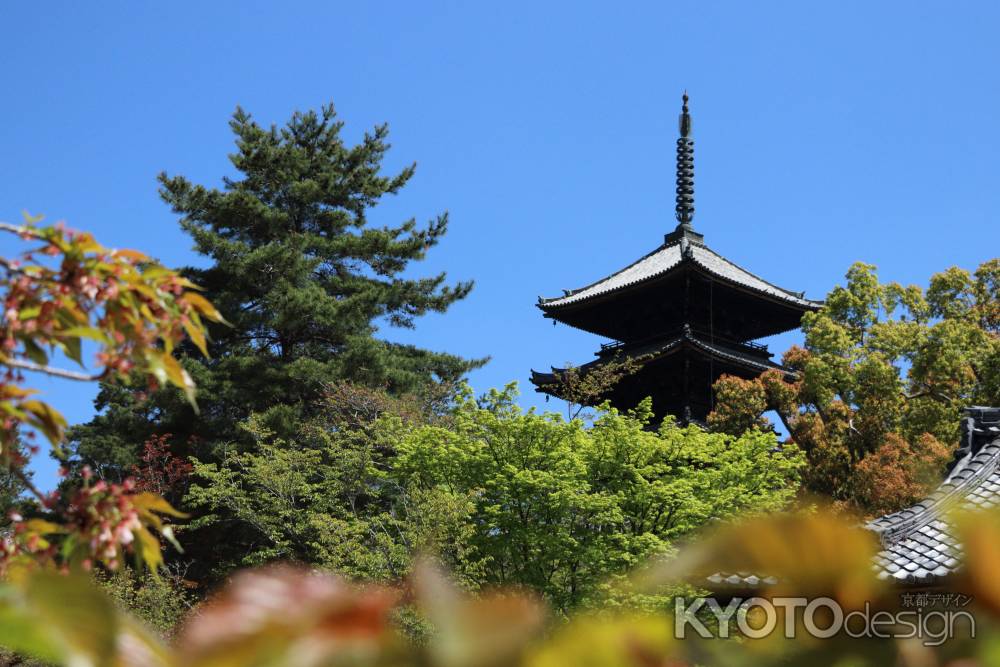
(51, 370)
(20, 230)
(9, 266)
(788, 427)
(25, 479)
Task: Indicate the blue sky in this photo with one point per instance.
(825, 134)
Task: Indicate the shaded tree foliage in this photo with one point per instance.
(325, 494)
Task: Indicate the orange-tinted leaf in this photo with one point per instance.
(590, 641)
(134, 255)
(807, 554)
(13, 391)
(980, 536)
(287, 616)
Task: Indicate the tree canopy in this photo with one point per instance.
(501, 497)
(882, 378)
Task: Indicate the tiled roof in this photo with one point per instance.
(919, 544)
(669, 256)
(662, 347)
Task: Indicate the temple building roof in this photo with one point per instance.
(755, 360)
(920, 546)
(669, 257)
(686, 313)
(682, 281)
(919, 543)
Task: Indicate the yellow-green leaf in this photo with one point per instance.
(34, 352)
(148, 550)
(197, 335)
(178, 376)
(47, 418)
(91, 333)
(154, 503)
(61, 619)
(43, 527)
(204, 306)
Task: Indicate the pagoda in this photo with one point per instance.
(684, 313)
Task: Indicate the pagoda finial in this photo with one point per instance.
(685, 168)
(684, 209)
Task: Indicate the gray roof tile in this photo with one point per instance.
(669, 256)
(918, 543)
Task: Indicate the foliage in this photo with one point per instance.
(65, 288)
(160, 471)
(307, 280)
(499, 496)
(161, 602)
(325, 494)
(558, 507)
(582, 388)
(883, 376)
(285, 616)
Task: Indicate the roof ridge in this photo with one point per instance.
(891, 527)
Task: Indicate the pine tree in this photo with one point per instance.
(305, 282)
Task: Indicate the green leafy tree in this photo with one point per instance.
(498, 496)
(161, 601)
(559, 507)
(883, 376)
(306, 280)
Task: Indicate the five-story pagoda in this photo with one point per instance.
(686, 314)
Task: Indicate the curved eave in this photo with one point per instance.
(568, 297)
(687, 257)
(658, 351)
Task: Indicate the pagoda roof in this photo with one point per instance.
(670, 257)
(747, 358)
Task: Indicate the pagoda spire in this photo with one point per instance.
(684, 209)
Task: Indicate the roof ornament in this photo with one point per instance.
(686, 251)
(685, 168)
(684, 209)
